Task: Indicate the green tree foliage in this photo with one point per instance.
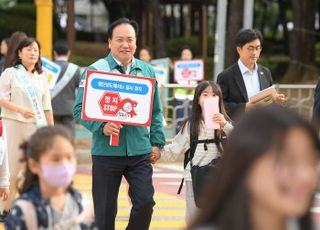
(20, 17)
(6, 4)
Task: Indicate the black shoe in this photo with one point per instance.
(3, 216)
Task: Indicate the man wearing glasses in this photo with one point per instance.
(245, 78)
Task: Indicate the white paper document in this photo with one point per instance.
(265, 96)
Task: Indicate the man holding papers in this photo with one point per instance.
(245, 78)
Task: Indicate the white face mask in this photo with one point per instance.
(58, 176)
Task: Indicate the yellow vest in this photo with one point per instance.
(183, 93)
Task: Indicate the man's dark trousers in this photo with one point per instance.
(107, 174)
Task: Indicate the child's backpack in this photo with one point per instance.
(199, 173)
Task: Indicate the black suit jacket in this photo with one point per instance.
(234, 91)
(316, 107)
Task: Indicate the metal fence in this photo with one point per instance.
(298, 97)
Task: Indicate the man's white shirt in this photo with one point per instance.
(250, 78)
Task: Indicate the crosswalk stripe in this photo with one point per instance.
(168, 175)
(156, 224)
(124, 203)
(169, 210)
(165, 212)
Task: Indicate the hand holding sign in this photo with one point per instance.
(111, 128)
(219, 119)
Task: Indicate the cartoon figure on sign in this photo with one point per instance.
(128, 105)
(185, 73)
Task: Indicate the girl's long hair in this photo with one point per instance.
(197, 117)
(226, 198)
(41, 141)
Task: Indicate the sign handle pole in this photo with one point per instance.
(114, 139)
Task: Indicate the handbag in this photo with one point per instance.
(200, 176)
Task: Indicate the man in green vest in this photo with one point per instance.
(131, 158)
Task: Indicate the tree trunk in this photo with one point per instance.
(234, 24)
(115, 10)
(71, 32)
(160, 48)
(301, 43)
(130, 9)
(283, 21)
(264, 17)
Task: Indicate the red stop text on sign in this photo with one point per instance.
(109, 103)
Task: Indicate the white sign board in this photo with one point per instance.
(192, 70)
(52, 71)
(162, 74)
(119, 98)
(164, 62)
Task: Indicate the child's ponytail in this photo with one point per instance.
(29, 179)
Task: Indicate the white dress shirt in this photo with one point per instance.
(130, 65)
(250, 78)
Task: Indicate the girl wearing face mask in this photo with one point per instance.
(47, 199)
